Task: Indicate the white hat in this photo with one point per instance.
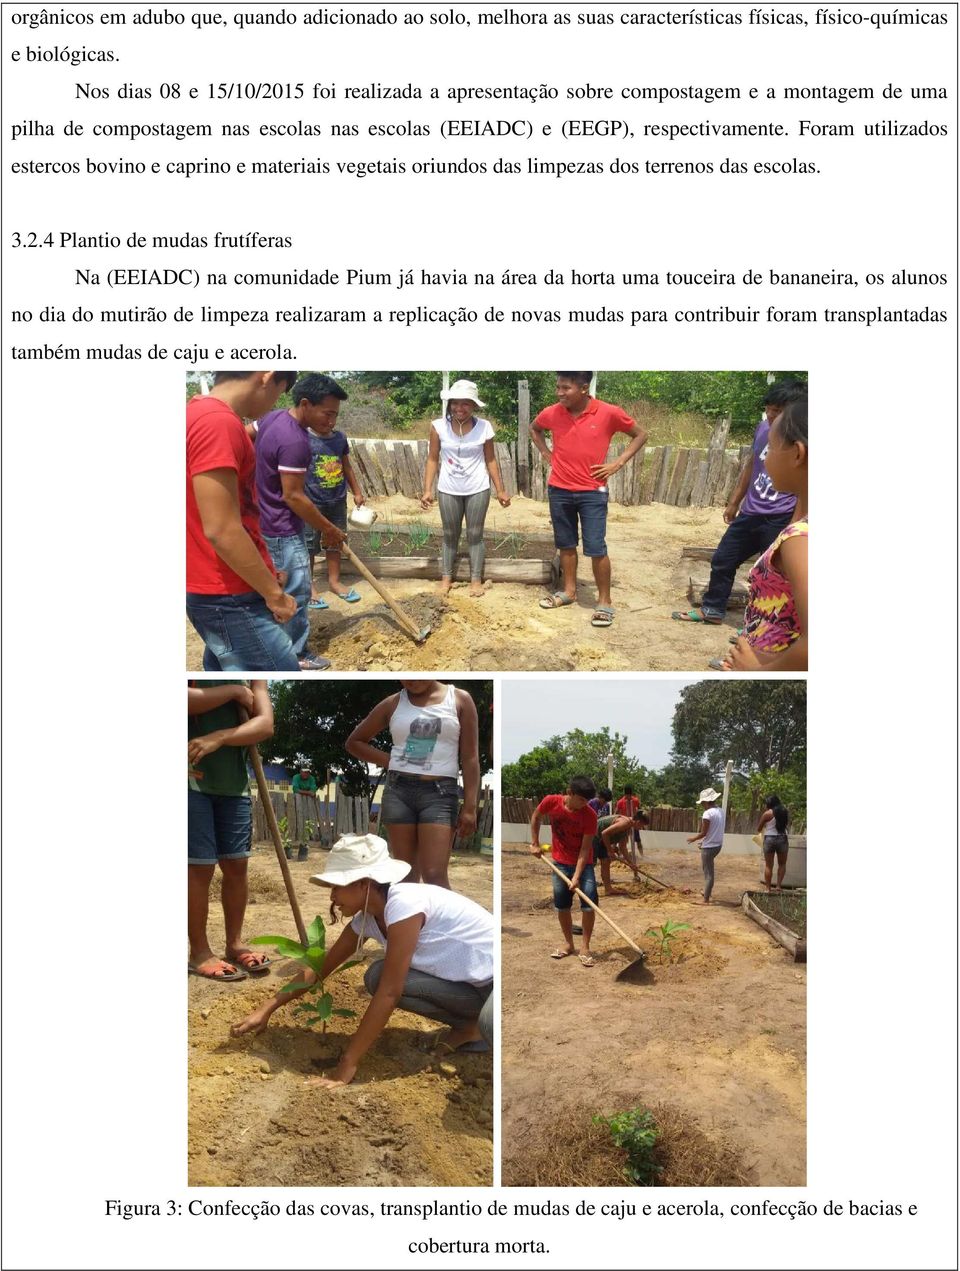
(463, 390)
(709, 795)
(357, 856)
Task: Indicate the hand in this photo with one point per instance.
(342, 1075)
(603, 471)
(574, 882)
(198, 747)
(467, 822)
(536, 849)
(503, 500)
(243, 697)
(742, 657)
(358, 500)
(547, 457)
(282, 606)
(195, 773)
(730, 512)
(332, 537)
(426, 502)
(282, 576)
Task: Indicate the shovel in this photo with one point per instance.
(634, 969)
(415, 633)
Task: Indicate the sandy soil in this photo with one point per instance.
(718, 1035)
(506, 630)
(404, 1121)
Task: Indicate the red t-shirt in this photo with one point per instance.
(216, 439)
(581, 441)
(627, 807)
(568, 828)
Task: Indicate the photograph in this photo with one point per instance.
(341, 1006)
(653, 917)
(496, 520)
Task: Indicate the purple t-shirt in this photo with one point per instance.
(282, 446)
(762, 499)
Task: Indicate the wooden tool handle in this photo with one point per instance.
(361, 568)
(596, 908)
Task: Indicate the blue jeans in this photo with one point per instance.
(219, 827)
(746, 536)
(587, 506)
(563, 896)
(290, 554)
(240, 633)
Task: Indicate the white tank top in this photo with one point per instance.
(426, 739)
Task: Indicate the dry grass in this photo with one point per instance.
(577, 1152)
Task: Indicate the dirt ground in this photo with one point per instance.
(717, 1037)
(403, 1122)
(506, 630)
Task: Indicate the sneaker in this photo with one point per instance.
(315, 664)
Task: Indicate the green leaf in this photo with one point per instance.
(293, 986)
(282, 944)
(347, 965)
(316, 932)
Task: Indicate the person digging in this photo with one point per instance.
(573, 825)
(613, 834)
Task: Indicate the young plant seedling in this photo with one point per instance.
(320, 1008)
(636, 1132)
(665, 936)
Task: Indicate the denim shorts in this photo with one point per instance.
(334, 512)
(409, 800)
(587, 506)
(563, 896)
(219, 827)
(775, 843)
(240, 633)
(600, 852)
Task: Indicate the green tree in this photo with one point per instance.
(759, 724)
(312, 719)
(548, 768)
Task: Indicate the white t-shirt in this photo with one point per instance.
(714, 834)
(462, 467)
(456, 939)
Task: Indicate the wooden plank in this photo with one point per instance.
(676, 481)
(651, 473)
(636, 477)
(387, 470)
(728, 479)
(714, 470)
(516, 571)
(689, 477)
(698, 553)
(663, 476)
(700, 484)
(375, 460)
(371, 482)
(700, 580)
(416, 472)
(523, 436)
(403, 468)
(507, 471)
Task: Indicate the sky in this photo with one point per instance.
(640, 710)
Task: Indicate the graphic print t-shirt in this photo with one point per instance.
(422, 740)
(762, 499)
(326, 482)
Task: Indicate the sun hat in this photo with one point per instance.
(463, 390)
(709, 795)
(358, 856)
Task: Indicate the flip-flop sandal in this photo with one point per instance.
(558, 600)
(351, 596)
(224, 978)
(695, 615)
(717, 664)
(561, 953)
(318, 604)
(602, 616)
(586, 960)
(261, 968)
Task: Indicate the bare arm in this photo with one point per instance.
(586, 847)
(258, 727)
(202, 700)
(739, 491)
(300, 504)
(493, 467)
(639, 435)
(402, 940)
(618, 828)
(218, 502)
(765, 820)
(704, 826)
(793, 562)
(538, 437)
(352, 482)
(430, 475)
(535, 823)
(358, 743)
(469, 760)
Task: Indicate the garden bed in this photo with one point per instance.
(783, 915)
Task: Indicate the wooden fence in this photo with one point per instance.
(681, 476)
(677, 820)
(310, 820)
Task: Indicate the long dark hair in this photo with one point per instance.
(781, 814)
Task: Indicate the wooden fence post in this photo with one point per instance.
(523, 437)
